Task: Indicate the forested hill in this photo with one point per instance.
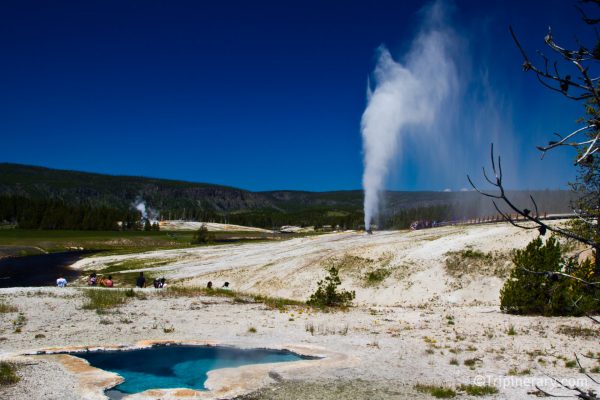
(32, 193)
(76, 187)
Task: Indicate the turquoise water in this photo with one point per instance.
(180, 366)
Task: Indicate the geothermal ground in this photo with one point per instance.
(427, 313)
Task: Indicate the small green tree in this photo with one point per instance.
(202, 235)
(327, 293)
(536, 286)
(147, 225)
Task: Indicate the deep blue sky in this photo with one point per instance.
(255, 94)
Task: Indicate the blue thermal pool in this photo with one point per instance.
(176, 366)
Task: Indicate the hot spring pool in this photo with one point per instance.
(176, 366)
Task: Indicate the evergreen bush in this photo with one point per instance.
(202, 235)
(547, 294)
(327, 293)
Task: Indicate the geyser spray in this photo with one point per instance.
(407, 98)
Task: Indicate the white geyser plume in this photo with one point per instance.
(147, 212)
(407, 99)
(140, 205)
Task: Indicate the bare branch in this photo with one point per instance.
(557, 273)
(539, 224)
(585, 373)
(576, 57)
(593, 319)
(561, 142)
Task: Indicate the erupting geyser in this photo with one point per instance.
(406, 99)
(148, 214)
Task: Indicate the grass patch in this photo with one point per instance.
(349, 263)
(476, 390)
(101, 299)
(475, 262)
(443, 392)
(23, 242)
(7, 308)
(322, 329)
(195, 291)
(134, 263)
(377, 276)
(577, 331)
(8, 373)
(472, 362)
(440, 392)
(571, 364)
(279, 303)
(515, 372)
(114, 242)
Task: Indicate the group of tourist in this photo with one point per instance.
(157, 283)
(225, 286)
(140, 282)
(93, 280)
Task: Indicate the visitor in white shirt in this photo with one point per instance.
(61, 282)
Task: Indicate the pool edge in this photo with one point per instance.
(221, 383)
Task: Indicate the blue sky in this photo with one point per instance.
(262, 94)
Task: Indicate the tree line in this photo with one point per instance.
(28, 213)
(51, 214)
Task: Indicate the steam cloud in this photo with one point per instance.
(147, 212)
(407, 100)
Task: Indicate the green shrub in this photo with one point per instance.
(8, 373)
(203, 236)
(440, 392)
(328, 295)
(511, 331)
(377, 276)
(476, 390)
(547, 294)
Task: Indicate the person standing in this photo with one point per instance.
(140, 281)
(61, 282)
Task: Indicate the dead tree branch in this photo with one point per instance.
(538, 223)
(584, 88)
